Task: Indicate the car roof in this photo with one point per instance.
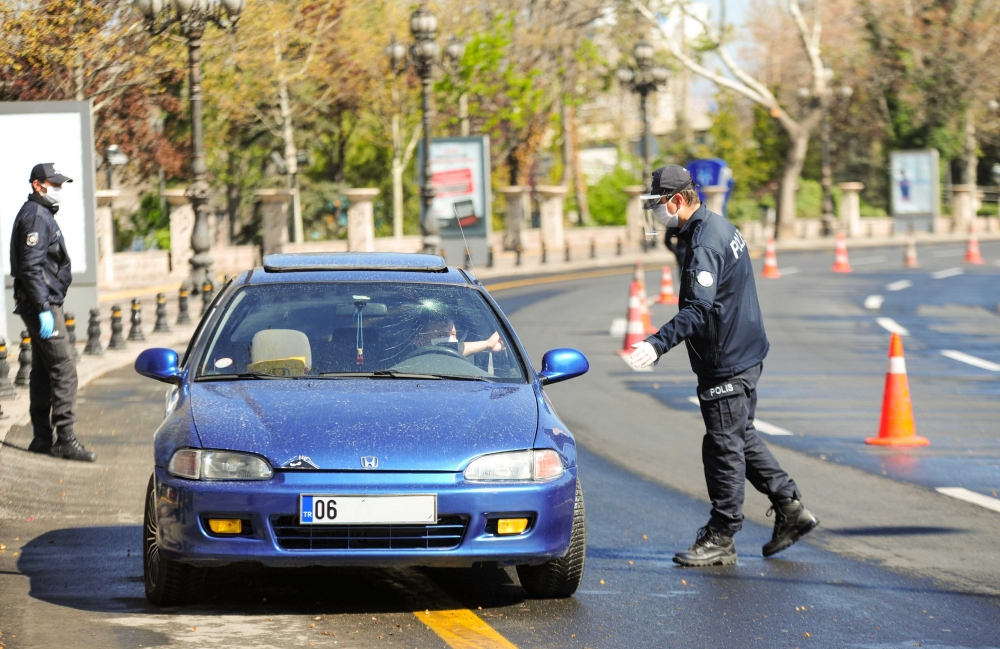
(357, 266)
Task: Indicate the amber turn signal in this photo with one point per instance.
(225, 525)
(512, 525)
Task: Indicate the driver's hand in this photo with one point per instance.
(494, 344)
(644, 355)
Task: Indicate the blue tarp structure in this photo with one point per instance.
(709, 172)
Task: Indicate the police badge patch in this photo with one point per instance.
(32, 239)
(705, 278)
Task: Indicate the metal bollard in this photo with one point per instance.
(23, 361)
(545, 254)
(183, 317)
(116, 342)
(619, 247)
(567, 253)
(489, 257)
(161, 325)
(71, 334)
(6, 387)
(135, 331)
(207, 294)
(93, 347)
(517, 261)
(593, 249)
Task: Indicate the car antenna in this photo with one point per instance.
(468, 252)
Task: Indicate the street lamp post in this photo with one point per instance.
(643, 79)
(423, 55)
(193, 17)
(826, 171)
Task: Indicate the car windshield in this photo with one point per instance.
(359, 330)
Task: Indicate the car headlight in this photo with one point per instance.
(197, 464)
(539, 464)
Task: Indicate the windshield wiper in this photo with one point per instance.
(380, 374)
(245, 375)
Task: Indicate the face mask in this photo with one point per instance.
(663, 215)
(53, 194)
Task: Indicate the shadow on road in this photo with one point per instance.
(100, 569)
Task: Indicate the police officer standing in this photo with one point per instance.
(720, 321)
(40, 266)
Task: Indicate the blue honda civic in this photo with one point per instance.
(366, 409)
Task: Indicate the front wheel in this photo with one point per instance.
(167, 582)
(559, 578)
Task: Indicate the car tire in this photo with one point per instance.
(167, 582)
(559, 578)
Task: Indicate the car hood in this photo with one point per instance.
(409, 425)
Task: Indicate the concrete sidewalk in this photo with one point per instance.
(15, 410)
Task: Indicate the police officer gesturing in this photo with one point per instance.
(721, 323)
(40, 266)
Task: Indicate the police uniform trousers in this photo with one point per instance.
(53, 382)
(733, 452)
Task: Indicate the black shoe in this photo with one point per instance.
(792, 521)
(38, 445)
(72, 449)
(711, 549)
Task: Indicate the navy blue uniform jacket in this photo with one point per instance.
(719, 315)
(39, 261)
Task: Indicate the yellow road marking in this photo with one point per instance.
(463, 629)
(552, 279)
(142, 290)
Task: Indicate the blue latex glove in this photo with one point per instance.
(47, 323)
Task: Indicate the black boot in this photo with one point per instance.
(792, 521)
(40, 445)
(72, 449)
(711, 549)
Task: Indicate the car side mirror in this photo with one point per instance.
(159, 363)
(561, 364)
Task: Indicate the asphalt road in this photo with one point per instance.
(894, 563)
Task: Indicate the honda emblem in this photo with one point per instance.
(369, 462)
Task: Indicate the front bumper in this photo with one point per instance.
(183, 504)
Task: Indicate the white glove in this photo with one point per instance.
(644, 355)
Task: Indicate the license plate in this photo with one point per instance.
(333, 509)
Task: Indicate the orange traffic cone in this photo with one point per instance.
(896, 427)
(972, 255)
(667, 288)
(647, 323)
(840, 262)
(634, 332)
(640, 273)
(771, 261)
(910, 260)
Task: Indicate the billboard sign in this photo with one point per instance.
(59, 132)
(915, 181)
(460, 176)
(916, 185)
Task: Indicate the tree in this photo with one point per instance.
(742, 82)
(97, 50)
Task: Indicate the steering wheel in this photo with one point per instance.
(437, 349)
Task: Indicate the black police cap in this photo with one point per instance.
(47, 171)
(671, 179)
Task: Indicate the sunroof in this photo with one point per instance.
(305, 262)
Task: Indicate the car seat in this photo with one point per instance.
(281, 352)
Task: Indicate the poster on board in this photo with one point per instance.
(59, 132)
(916, 189)
(460, 176)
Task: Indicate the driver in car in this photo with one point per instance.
(442, 330)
